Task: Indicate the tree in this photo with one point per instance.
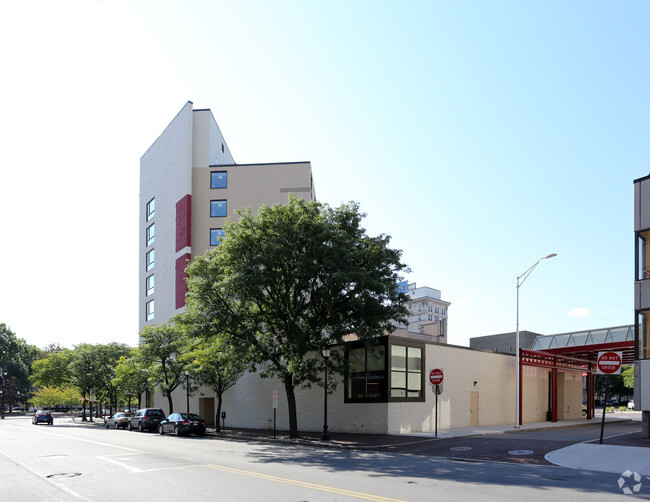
(83, 367)
(107, 358)
(131, 376)
(47, 397)
(160, 354)
(211, 360)
(53, 370)
(296, 278)
(16, 358)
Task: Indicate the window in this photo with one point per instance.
(643, 334)
(215, 233)
(643, 252)
(366, 378)
(405, 371)
(150, 260)
(149, 285)
(151, 209)
(219, 179)
(218, 208)
(150, 310)
(150, 234)
(437, 310)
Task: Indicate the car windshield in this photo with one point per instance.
(156, 413)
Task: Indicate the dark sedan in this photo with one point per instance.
(43, 416)
(118, 421)
(183, 423)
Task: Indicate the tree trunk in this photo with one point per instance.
(171, 404)
(218, 416)
(291, 403)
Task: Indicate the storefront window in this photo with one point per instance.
(643, 264)
(366, 374)
(405, 371)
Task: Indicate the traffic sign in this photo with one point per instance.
(609, 363)
(436, 376)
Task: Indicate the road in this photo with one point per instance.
(70, 462)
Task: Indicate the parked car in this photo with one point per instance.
(44, 417)
(146, 419)
(182, 424)
(630, 404)
(118, 421)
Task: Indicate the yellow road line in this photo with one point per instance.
(303, 484)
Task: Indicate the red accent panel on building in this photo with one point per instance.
(184, 222)
(181, 279)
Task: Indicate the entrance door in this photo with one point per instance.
(473, 409)
(206, 410)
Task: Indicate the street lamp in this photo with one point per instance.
(187, 389)
(325, 436)
(520, 281)
(3, 373)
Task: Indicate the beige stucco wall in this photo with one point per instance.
(249, 403)
(248, 186)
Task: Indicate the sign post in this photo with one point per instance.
(275, 409)
(608, 363)
(436, 376)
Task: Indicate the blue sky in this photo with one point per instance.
(479, 135)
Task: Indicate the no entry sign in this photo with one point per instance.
(609, 363)
(436, 376)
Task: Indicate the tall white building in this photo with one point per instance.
(427, 312)
(189, 185)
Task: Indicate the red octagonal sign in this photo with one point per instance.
(609, 363)
(435, 377)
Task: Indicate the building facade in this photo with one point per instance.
(427, 312)
(642, 300)
(189, 185)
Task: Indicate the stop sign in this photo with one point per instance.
(436, 376)
(609, 363)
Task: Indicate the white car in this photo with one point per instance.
(630, 404)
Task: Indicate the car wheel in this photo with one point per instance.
(51, 423)
(202, 433)
(117, 425)
(161, 431)
(177, 431)
(140, 428)
(130, 426)
(106, 424)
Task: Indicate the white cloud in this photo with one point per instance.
(580, 312)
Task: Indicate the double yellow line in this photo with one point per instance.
(303, 484)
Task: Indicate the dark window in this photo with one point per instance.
(218, 208)
(149, 285)
(366, 379)
(150, 260)
(151, 231)
(215, 233)
(219, 179)
(151, 209)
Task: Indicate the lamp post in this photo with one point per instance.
(520, 281)
(187, 389)
(325, 436)
(3, 373)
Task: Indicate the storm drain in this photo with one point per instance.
(461, 448)
(521, 452)
(64, 475)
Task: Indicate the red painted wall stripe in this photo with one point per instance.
(181, 279)
(184, 222)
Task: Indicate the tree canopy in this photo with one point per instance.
(296, 278)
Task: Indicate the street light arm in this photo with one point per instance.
(531, 268)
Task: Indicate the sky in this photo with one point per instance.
(479, 135)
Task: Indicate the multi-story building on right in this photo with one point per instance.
(427, 312)
(642, 300)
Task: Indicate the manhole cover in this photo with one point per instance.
(461, 448)
(521, 452)
(64, 475)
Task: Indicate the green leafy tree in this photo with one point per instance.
(84, 365)
(160, 354)
(108, 356)
(47, 397)
(628, 378)
(53, 369)
(298, 277)
(16, 358)
(211, 360)
(131, 376)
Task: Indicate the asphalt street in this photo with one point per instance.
(70, 461)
